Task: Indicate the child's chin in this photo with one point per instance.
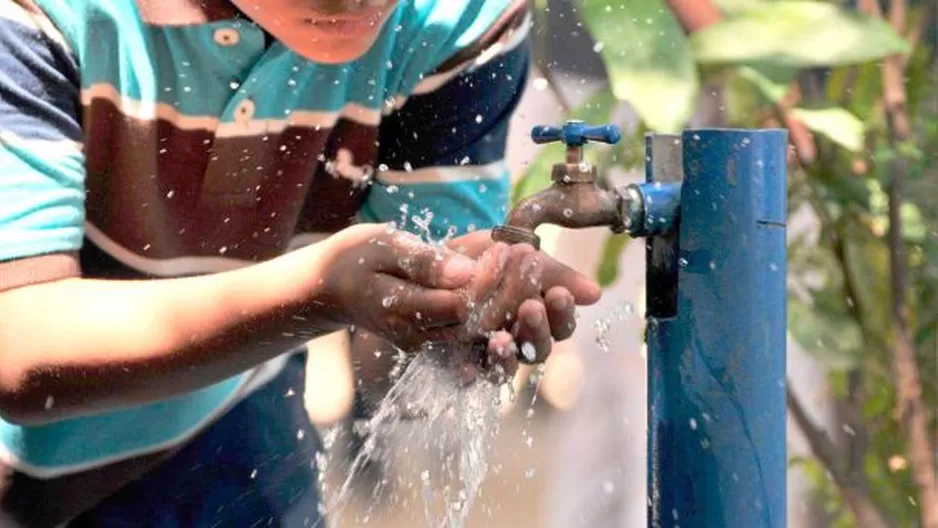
(333, 53)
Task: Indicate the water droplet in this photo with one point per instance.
(50, 401)
(568, 213)
(598, 47)
(693, 424)
(682, 262)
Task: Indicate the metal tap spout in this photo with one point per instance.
(570, 205)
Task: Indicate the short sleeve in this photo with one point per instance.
(442, 153)
(41, 161)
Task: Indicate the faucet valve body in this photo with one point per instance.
(575, 200)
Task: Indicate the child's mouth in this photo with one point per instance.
(352, 23)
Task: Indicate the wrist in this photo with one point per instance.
(291, 286)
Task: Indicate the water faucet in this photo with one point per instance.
(575, 200)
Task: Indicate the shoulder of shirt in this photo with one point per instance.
(436, 36)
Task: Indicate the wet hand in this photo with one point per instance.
(392, 284)
(522, 300)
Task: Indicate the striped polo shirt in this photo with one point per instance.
(162, 138)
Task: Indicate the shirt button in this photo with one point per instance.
(244, 111)
(227, 37)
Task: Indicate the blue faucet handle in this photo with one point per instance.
(576, 134)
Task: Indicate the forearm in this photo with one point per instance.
(79, 346)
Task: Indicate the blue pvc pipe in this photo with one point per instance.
(661, 203)
(716, 367)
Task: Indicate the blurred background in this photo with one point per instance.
(855, 83)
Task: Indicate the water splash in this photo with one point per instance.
(620, 312)
(461, 419)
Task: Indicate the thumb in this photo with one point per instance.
(426, 265)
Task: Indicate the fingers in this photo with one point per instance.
(503, 352)
(561, 312)
(403, 308)
(585, 291)
(490, 271)
(404, 255)
(498, 361)
(532, 332)
(472, 244)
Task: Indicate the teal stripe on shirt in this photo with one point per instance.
(93, 438)
(42, 198)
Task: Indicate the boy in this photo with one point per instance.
(179, 181)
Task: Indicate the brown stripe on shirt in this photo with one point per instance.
(164, 192)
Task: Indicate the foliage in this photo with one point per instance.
(839, 307)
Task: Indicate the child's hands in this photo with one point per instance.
(523, 300)
(391, 283)
(513, 300)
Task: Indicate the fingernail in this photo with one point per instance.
(535, 318)
(459, 267)
(561, 303)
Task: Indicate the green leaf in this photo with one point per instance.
(596, 110)
(829, 336)
(797, 35)
(914, 224)
(608, 269)
(772, 80)
(648, 59)
(867, 266)
(835, 123)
